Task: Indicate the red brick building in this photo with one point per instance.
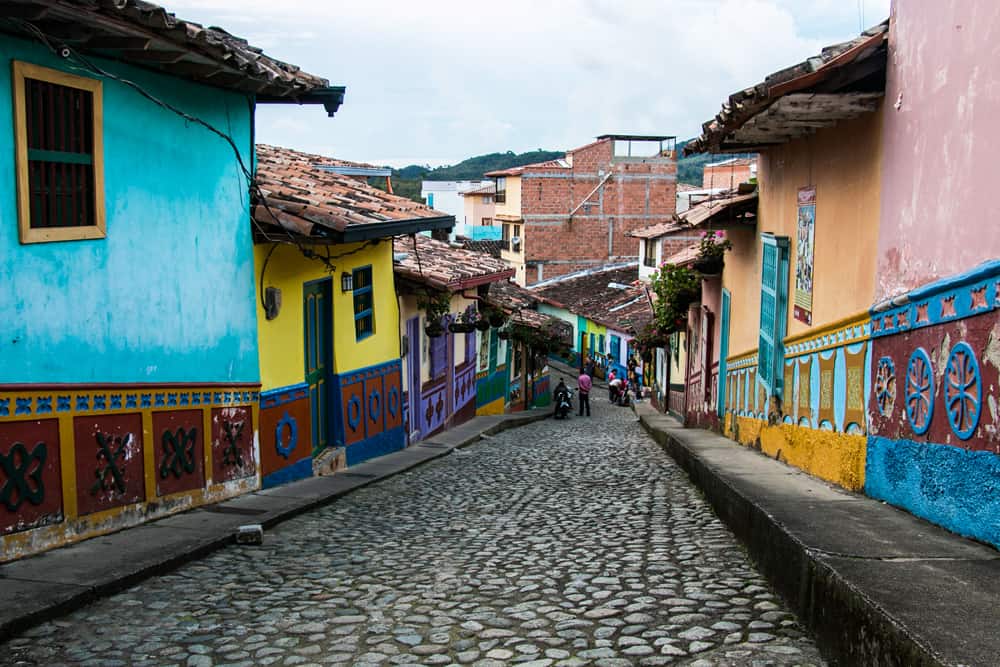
(728, 174)
(576, 213)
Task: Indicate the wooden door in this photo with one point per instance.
(318, 351)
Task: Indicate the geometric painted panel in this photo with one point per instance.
(30, 475)
(109, 462)
(233, 454)
(885, 386)
(178, 441)
(919, 391)
(963, 390)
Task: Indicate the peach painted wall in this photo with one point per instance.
(843, 162)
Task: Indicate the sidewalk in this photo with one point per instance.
(874, 584)
(52, 583)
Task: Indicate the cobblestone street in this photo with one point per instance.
(559, 543)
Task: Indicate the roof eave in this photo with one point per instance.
(390, 228)
(476, 281)
(331, 97)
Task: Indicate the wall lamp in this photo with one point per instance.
(346, 282)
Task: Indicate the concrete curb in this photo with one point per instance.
(850, 626)
(34, 597)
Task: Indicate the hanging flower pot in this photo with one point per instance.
(433, 329)
(497, 320)
(461, 327)
(709, 266)
(482, 324)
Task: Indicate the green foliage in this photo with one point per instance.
(714, 245)
(435, 303)
(676, 288)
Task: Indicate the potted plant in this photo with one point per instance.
(465, 322)
(483, 322)
(436, 305)
(496, 317)
(676, 288)
(711, 253)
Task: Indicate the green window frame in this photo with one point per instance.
(364, 303)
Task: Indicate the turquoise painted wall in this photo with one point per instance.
(168, 296)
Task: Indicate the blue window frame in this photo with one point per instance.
(364, 303)
(773, 312)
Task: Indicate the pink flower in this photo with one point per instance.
(720, 234)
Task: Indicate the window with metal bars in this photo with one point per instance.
(59, 155)
(364, 304)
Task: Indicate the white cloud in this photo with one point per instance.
(445, 79)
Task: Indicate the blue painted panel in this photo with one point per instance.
(299, 470)
(953, 487)
(169, 295)
(723, 352)
(384, 443)
(486, 233)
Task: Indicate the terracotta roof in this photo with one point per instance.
(599, 296)
(491, 248)
(520, 304)
(726, 206)
(843, 81)
(657, 230)
(315, 204)
(684, 256)
(485, 190)
(445, 266)
(147, 35)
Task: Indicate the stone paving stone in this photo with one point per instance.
(558, 543)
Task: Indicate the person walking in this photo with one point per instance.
(584, 385)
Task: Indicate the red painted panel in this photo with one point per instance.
(285, 435)
(374, 405)
(353, 401)
(30, 475)
(938, 341)
(232, 444)
(394, 400)
(109, 462)
(180, 455)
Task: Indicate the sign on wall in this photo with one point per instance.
(804, 242)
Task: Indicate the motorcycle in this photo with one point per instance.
(564, 404)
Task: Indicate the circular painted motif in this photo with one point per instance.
(374, 406)
(919, 391)
(393, 403)
(286, 424)
(353, 413)
(963, 391)
(885, 386)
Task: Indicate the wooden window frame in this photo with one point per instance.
(649, 253)
(367, 312)
(28, 234)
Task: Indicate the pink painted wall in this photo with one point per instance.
(939, 207)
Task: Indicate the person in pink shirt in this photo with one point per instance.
(584, 385)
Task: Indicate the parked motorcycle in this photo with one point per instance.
(564, 404)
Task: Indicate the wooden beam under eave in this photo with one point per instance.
(24, 11)
(117, 43)
(155, 57)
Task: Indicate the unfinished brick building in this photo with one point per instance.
(575, 213)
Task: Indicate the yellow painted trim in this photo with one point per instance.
(206, 441)
(742, 356)
(149, 455)
(858, 319)
(67, 459)
(21, 71)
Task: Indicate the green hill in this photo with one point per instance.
(406, 181)
(689, 169)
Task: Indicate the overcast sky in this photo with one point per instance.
(436, 81)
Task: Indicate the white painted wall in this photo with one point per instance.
(444, 196)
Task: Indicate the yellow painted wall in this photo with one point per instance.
(513, 204)
(475, 209)
(843, 162)
(835, 457)
(281, 339)
(497, 407)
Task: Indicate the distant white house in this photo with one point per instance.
(445, 196)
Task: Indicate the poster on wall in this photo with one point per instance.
(804, 241)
